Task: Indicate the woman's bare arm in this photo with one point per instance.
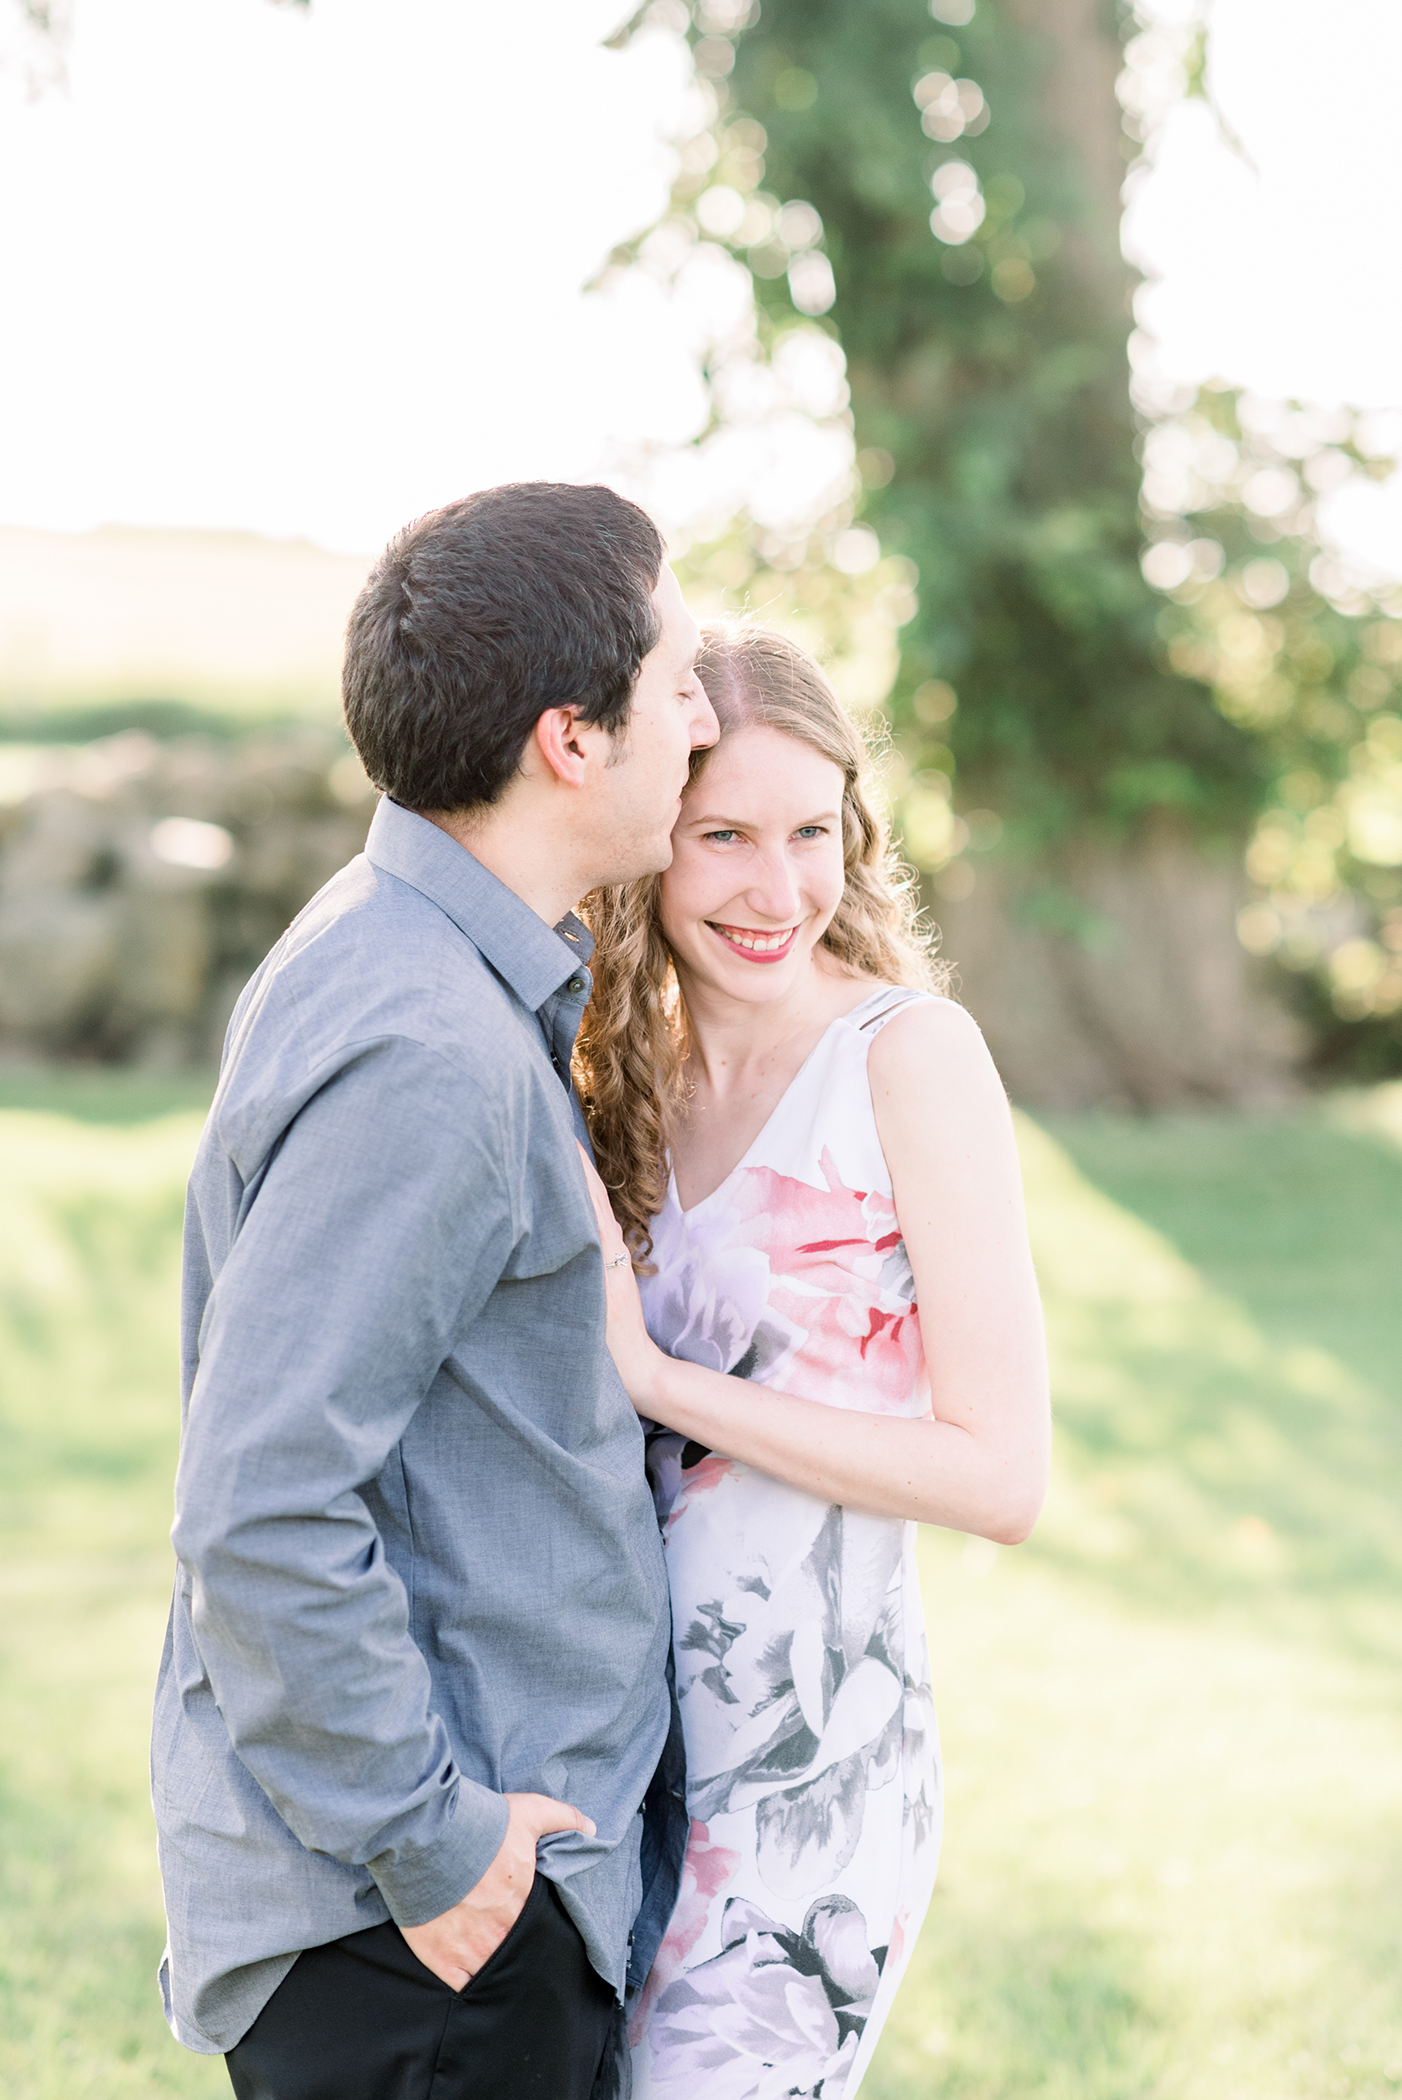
(947, 1133)
(980, 1462)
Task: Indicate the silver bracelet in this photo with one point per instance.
(617, 1262)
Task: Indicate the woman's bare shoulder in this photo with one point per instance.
(933, 1049)
(934, 1025)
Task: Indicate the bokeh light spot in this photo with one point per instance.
(934, 702)
(714, 57)
(1013, 279)
(811, 284)
(856, 550)
(721, 210)
(875, 466)
(186, 842)
(954, 179)
(932, 89)
(960, 209)
(1271, 492)
(1263, 583)
(1166, 564)
(1258, 929)
(725, 17)
(799, 225)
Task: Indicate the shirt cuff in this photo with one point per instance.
(419, 1882)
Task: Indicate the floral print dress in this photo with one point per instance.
(813, 1780)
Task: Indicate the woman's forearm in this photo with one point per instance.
(932, 1471)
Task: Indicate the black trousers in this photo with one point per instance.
(363, 2019)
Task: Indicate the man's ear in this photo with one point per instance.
(563, 741)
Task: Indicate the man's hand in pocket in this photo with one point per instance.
(460, 1942)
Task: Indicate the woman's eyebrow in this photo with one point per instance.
(827, 816)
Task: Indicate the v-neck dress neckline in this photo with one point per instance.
(882, 992)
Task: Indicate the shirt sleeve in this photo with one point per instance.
(381, 1223)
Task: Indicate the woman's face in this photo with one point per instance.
(756, 868)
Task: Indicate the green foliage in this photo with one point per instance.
(989, 386)
(1301, 655)
(1175, 1815)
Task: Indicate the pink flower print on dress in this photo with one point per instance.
(840, 1272)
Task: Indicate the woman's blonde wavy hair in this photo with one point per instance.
(632, 1045)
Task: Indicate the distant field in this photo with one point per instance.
(227, 620)
(1173, 1732)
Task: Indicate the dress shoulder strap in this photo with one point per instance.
(872, 1015)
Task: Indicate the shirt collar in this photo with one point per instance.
(521, 948)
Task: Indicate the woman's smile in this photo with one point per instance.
(755, 944)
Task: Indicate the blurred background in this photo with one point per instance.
(1039, 365)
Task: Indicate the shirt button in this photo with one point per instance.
(576, 985)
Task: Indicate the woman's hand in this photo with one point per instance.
(635, 1354)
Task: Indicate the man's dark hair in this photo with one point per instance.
(480, 617)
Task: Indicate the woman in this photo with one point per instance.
(804, 1143)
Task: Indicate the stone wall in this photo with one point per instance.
(142, 882)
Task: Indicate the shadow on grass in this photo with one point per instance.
(1299, 1222)
(1226, 1334)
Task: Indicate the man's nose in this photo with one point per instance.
(705, 729)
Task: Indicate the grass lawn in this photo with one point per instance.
(1172, 1723)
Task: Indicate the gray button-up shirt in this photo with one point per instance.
(418, 1561)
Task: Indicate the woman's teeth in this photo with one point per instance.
(760, 943)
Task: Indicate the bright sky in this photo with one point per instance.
(1285, 275)
(310, 274)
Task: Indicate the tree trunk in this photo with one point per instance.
(1111, 973)
(1078, 97)
(1112, 976)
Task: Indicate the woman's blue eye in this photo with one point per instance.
(722, 836)
(809, 831)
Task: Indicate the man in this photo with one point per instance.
(414, 1691)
